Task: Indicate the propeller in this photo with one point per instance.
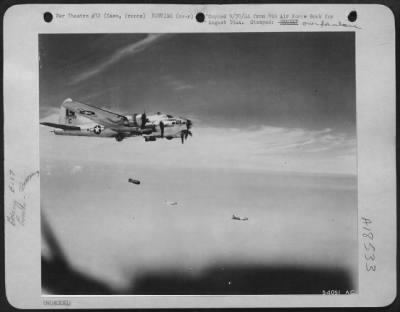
(189, 124)
(162, 128)
(144, 120)
(185, 134)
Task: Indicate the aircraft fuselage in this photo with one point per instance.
(78, 119)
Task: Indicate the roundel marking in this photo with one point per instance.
(97, 129)
(86, 112)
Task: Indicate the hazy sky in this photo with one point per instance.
(253, 97)
(116, 231)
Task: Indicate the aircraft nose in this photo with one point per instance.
(189, 123)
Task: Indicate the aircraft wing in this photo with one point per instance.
(103, 117)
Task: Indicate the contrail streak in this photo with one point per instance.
(118, 55)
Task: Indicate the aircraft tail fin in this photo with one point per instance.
(68, 117)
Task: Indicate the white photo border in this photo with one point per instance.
(376, 131)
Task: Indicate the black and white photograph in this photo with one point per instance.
(199, 156)
(198, 163)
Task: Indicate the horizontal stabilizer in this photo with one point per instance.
(64, 127)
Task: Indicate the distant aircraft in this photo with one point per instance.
(239, 218)
(78, 119)
(171, 203)
(133, 181)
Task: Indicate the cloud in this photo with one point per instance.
(47, 111)
(176, 84)
(183, 87)
(262, 149)
(276, 149)
(294, 140)
(128, 50)
(77, 168)
(54, 116)
(100, 93)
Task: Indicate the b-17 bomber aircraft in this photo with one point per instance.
(239, 218)
(79, 119)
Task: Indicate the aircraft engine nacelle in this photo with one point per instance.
(132, 120)
(140, 119)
